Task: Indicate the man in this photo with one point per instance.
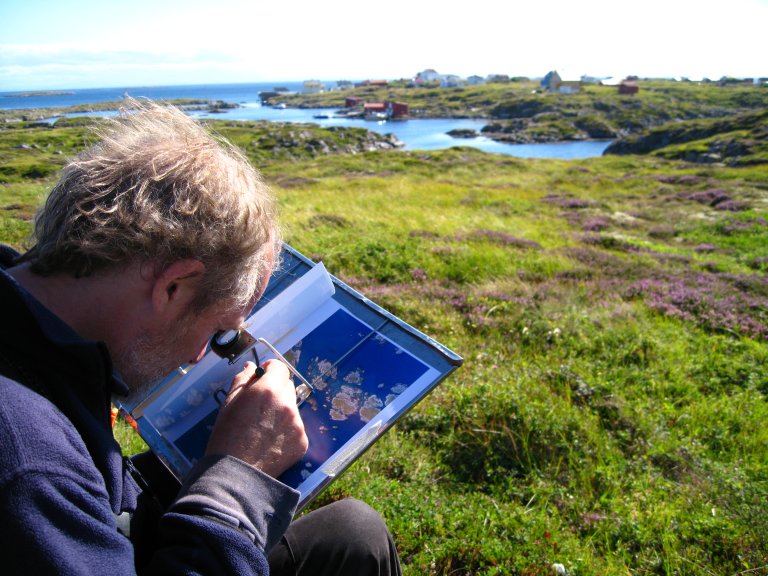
(154, 239)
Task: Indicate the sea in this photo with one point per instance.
(416, 134)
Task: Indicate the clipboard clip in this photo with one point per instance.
(232, 345)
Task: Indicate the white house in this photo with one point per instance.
(428, 75)
(312, 86)
(451, 81)
(554, 82)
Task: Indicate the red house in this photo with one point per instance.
(352, 101)
(398, 110)
(628, 87)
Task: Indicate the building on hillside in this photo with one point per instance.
(428, 76)
(352, 101)
(451, 81)
(475, 80)
(385, 110)
(553, 82)
(628, 87)
(313, 86)
(398, 110)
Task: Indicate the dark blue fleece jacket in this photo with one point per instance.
(64, 482)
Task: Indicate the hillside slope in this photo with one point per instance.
(736, 141)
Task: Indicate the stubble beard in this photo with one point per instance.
(148, 360)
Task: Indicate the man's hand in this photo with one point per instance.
(259, 422)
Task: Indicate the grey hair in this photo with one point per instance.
(158, 188)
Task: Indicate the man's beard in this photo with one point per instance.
(149, 359)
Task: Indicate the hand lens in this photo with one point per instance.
(232, 345)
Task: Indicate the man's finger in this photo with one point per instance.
(279, 375)
(241, 379)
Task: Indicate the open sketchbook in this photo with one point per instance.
(365, 366)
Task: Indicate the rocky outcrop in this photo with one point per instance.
(736, 140)
(463, 133)
(552, 126)
(279, 140)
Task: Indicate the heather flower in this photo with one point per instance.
(576, 203)
(499, 237)
(602, 263)
(566, 201)
(712, 197)
(418, 274)
(685, 179)
(732, 206)
(706, 300)
(595, 225)
(747, 224)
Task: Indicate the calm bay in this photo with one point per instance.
(416, 134)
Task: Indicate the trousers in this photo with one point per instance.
(345, 538)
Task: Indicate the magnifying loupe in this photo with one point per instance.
(232, 345)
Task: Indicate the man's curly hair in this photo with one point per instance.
(155, 189)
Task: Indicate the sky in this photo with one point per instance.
(62, 44)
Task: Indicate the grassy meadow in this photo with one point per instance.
(610, 416)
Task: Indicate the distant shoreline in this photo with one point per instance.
(39, 93)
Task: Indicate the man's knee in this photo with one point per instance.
(347, 537)
(360, 526)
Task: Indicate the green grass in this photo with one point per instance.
(610, 414)
(584, 428)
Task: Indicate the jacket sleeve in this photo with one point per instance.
(60, 523)
(57, 517)
(226, 519)
(55, 510)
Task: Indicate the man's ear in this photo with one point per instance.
(175, 286)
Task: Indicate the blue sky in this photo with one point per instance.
(58, 44)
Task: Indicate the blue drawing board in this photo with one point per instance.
(366, 366)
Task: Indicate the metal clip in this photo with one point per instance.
(233, 344)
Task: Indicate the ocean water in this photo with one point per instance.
(416, 134)
(236, 93)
